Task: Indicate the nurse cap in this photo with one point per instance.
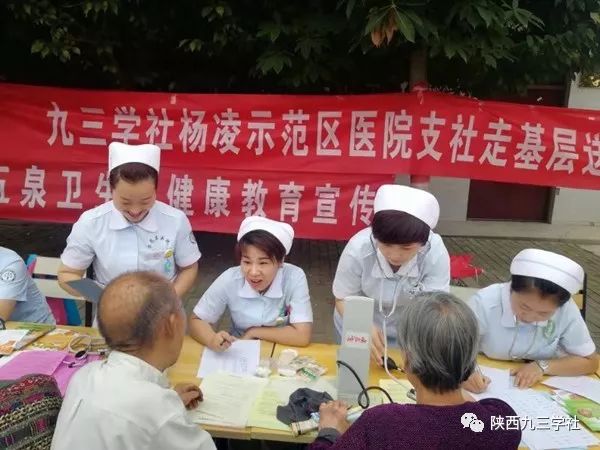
(416, 202)
(120, 153)
(549, 266)
(281, 230)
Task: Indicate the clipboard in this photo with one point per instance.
(87, 288)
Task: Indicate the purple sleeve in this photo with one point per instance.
(355, 437)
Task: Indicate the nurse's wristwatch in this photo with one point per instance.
(543, 364)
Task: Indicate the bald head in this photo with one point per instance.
(132, 308)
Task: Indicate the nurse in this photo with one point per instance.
(534, 318)
(395, 258)
(266, 297)
(134, 231)
(20, 298)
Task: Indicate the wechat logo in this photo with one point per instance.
(470, 420)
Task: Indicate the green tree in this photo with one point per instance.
(299, 46)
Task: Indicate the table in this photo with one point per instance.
(185, 370)
(186, 367)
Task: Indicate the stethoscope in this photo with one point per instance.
(412, 291)
(512, 345)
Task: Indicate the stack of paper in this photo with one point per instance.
(583, 386)
(9, 340)
(227, 399)
(277, 393)
(397, 390)
(241, 358)
(544, 422)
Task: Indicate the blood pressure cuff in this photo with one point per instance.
(302, 403)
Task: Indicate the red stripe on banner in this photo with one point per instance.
(325, 206)
(284, 138)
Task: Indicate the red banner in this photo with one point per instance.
(324, 206)
(282, 139)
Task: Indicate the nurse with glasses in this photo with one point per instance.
(533, 319)
(266, 297)
(395, 258)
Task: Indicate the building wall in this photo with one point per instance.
(452, 193)
(578, 205)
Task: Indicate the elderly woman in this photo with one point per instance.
(438, 336)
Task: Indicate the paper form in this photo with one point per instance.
(585, 386)
(227, 399)
(241, 358)
(537, 412)
(9, 339)
(277, 393)
(398, 391)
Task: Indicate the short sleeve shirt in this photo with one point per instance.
(363, 270)
(17, 285)
(501, 337)
(286, 301)
(161, 242)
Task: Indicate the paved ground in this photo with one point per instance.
(319, 260)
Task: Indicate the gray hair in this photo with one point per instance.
(439, 336)
(133, 307)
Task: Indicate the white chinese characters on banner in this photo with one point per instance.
(180, 193)
(260, 132)
(362, 133)
(290, 195)
(217, 196)
(462, 140)
(326, 198)
(495, 149)
(193, 132)
(431, 134)
(159, 128)
(564, 150)
(253, 198)
(530, 152)
(294, 133)
(33, 191)
(125, 119)
(328, 143)
(228, 129)
(592, 149)
(59, 120)
(397, 135)
(3, 197)
(73, 193)
(103, 190)
(96, 125)
(362, 204)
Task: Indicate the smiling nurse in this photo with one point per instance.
(267, 297)
(134, 231)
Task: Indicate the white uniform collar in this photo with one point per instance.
(139, 366)
(384, 270)
(119, 222)
(508, 319)
(274, 291)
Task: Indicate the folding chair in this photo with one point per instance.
(44, 271)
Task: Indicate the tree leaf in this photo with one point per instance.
(350, 7)
(405, 26)
(485, 14)
(37, 46)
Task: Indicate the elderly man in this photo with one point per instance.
(125, 402)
